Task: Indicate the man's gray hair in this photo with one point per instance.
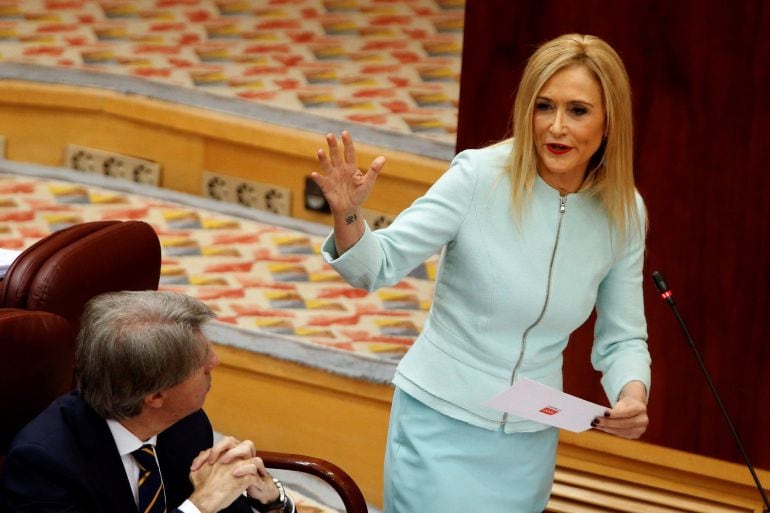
(135, 343)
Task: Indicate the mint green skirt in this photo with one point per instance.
(437, 464)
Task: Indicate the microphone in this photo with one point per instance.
(660, 284)
(665, 294)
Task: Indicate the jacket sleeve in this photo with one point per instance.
(384, 257)
(35, 482)
(620, 336)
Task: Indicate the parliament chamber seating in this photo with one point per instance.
(38, 351)
(42, 297)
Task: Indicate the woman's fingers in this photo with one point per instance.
(326, 165)
(345, 158)
(374, 171)
(377, 165)
(318, 178)
(628, 419)
(344, 185)
(340, 157)
(334, 150)
(623, 433)
(350, 148)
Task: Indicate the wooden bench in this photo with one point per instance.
(600, 473)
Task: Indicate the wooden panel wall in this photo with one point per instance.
(38, 120)
(700, 72)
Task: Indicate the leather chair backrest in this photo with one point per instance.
(64, 270)
(36, 366)
(24, 269)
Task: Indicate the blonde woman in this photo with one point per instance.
(537, 231)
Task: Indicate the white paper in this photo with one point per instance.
(531, 400)
(7, 256)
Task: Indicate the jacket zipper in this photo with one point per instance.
(562, 209)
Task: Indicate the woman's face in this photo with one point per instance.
(568, 124)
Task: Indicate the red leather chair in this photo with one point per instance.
(38, 350)
(62, 271)
(42, 297)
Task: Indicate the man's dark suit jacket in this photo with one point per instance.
(66, 460)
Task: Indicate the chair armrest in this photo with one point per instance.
(337, 478)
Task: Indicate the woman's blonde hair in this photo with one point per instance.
(610, 175)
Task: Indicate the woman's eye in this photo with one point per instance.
(542, 106)
(579, 111)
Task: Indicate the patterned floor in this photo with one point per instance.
(256, 276)
(392, 64)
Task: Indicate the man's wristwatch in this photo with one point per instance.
(278, 504)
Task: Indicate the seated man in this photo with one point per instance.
(143, 370)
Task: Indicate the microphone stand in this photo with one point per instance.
(665, 294)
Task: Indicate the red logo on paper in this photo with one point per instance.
(550, 410)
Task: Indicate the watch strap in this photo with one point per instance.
(279, 503)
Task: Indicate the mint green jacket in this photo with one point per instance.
(507, 297)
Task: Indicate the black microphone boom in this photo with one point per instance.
(665, 293)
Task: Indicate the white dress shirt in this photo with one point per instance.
(127, 443)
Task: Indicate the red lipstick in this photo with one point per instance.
(558, 149)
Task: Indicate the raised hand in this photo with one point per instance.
(343, 184)
(346, 188)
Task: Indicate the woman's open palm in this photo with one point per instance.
(343, 184)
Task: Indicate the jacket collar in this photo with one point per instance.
(103, 466)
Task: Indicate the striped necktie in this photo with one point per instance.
(152, 498)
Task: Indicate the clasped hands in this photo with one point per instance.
(222, 473)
